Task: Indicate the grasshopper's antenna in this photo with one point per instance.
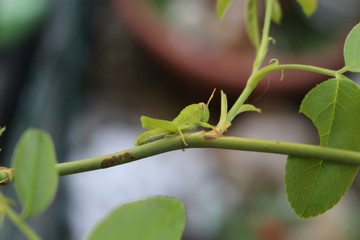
(211, 96)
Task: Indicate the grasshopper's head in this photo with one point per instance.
(204, 112)
(204, 108)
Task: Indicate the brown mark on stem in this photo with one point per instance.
(116, 160)
(212, 134)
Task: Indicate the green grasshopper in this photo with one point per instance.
(189, 118)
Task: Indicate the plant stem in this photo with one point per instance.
(19, 222)
(197, 140)
(259, 59)
(261, 53)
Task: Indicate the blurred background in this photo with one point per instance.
(85, 71)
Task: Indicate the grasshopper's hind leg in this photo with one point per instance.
(182, 137)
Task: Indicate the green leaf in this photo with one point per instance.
(157, 218)
(276, 14)
(308, 6)
(35, 171)
(221, 8)
(352, 50)
(313, 186)
(252, 24)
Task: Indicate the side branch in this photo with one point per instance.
(256, 77)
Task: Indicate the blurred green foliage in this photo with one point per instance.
(19, 19)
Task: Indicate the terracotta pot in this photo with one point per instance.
(227, 69)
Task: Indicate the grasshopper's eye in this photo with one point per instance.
(202, 105)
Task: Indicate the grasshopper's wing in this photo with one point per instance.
(152, 123)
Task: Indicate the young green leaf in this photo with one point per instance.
(223, 123)
(276, 14)
(248, 108)
(252, 24)
(308, 6)
(35, 172)
(352, 50)
(313, 186)
(160, 218)
(221, 7)
(224, 107)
